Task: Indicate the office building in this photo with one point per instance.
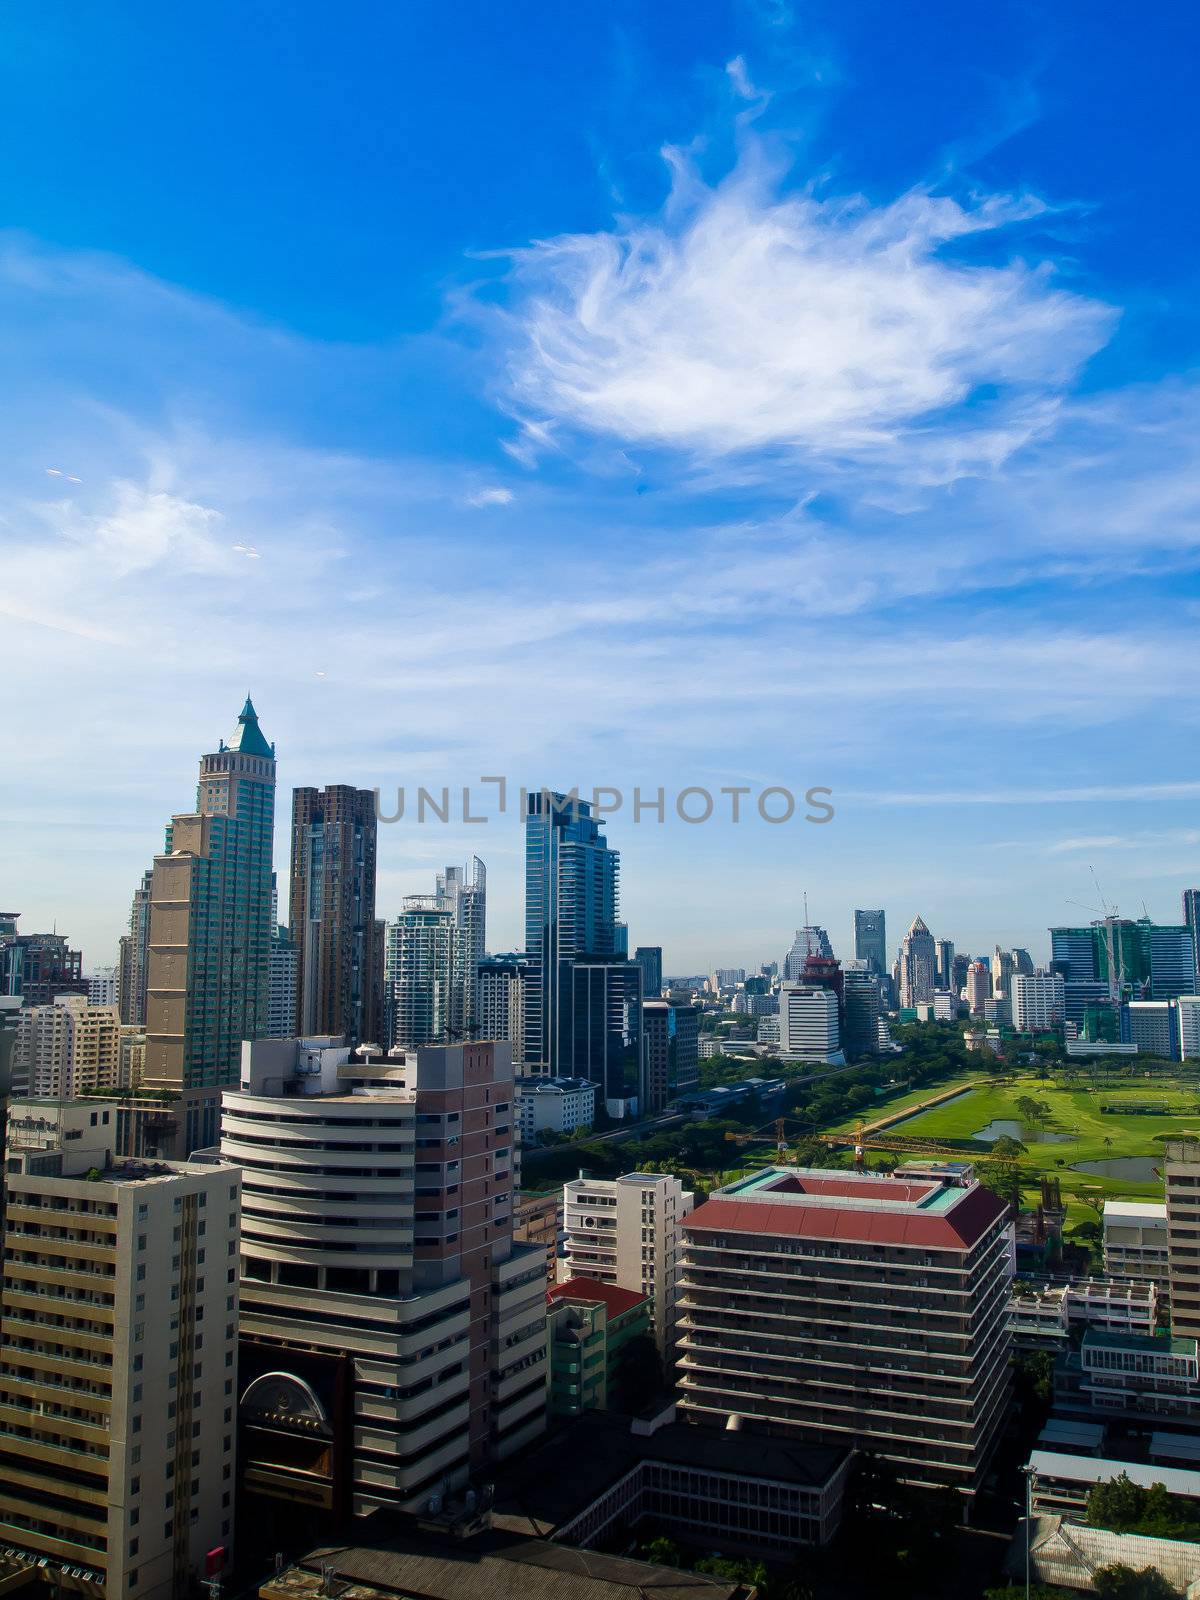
(1038, 1002)
(210, 934)
(393, 1337)
(500, 1001)
(1182, 1174)
(1002, 972)
(916, 976)
(1136, 1242)
(419, 973)
(102, 987)
(1150, 1025)
(649, 958)
(339, 951)
(282, 967)
(134, 960)
(1191, 921)
(979, 987)
(463, 892)
(862, 1009)
(1142, 960)
(67, 1049)
(603, 1001)
(1187, 1016)
(626, 1231)
(809, 1029)
(959, 968)
(38, 966)
(553, 1105)
(571, 910)
(847, 1307)
(944, 963)
(809, 942)
(1130, 1377)
(589, 1324)
(117, 1358)
(671, 1036)
(870, 941)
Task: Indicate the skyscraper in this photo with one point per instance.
(979, 986)
(1191, 921)
(672, 1035)
(500, 1001)
(419, 973)
(809, 1028)
(917, 965)
(649, 958)
(944, 949)
(210, 932)
(571, 901)
(809, 941)
(861, 1008)
(38, 966)
(463, 892)
(67, 1049)
(602, 997)
(870, 941)
(133, 963)
(1144, 959)
(339, 954)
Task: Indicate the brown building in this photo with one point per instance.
(852, 1308)
(339, 944)
(537, 1220)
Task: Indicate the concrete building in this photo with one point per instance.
(1151, 1025)
(1045, 1318)
(282, 965)
(649, 958)
(210, 935)
(917, 965)
(809, 1029)
(809, 942)
(67, 1049)
(419, 973)
(979, 987)
(37, 966)
(846, 1307)
(1187, 1012)
(1002, 972)
(1134, 1377)
(537, 1220)
(102, 987)
(588, 1326)
(1038, 1002)
(553, 1105)
(117, 1357)
(463, 892)
(338, 981)
(944, 955)
(671, 1035)
(134, 961)
(500, 1002)
(603, 998)
(1182, 1174)
(870, 941)
(393, 1336)
(1136, 1242)
(626, 1231)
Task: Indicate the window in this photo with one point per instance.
(133, 1544)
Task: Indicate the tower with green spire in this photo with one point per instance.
(210, 932)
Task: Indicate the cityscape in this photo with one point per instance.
(599, 878)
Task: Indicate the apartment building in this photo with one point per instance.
(1183, 1235)
(117, 1357)
(1039, 1001)
(1136, 1242)
(393, 1335)
(626, 1231)
(851, 1308)
(588, 1326)
(68, 1048)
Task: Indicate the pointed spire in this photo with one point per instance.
(248, 736)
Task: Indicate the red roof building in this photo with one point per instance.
(852, 1308)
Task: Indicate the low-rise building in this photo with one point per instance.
(1131, 1376)
(546, 1104)
(588, 1325)
(1060, 1483)
(1044, 1318)
(1135, 1242)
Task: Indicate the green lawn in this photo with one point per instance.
(884, 1105)
(1076, 1114)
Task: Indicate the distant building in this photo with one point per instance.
(537, 1220)
(603, 999)
(38, 966)
(419, 970)
(649, 958)
(1144, 959)
(134, 960)
(553, 1105)
(1191, 921)
(1188, 1019)
(870, 941)
(917, 977)
(809, 941)
(671, 1036)
(1002, 971)
(944, 955)
(1182, 1175)
(979, 987)
(1038, 1002)
(862, 1008)
(102, 987)
(1152, 1028)
(67, 1049)
(589, 1324)
(500, 1001)
(463, 892)
(809, 1029)
(281, 986)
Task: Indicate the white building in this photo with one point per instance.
(808, 1023)
(500, 1001)
(117, 1418)
(627, 1231)
(68, 1048)
(1188, 1008)
(554, 1105)
(1135, 1241)
(102, 987)
(281, 985)
(945, 1005)
(1038, 1002)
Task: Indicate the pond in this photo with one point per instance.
(1133, 1169)
(1008, 1127)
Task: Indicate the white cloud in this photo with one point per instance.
(491, 497)
(740, 320)
(739, 76)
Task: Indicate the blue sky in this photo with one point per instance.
(625, 394)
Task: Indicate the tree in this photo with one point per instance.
(1118, 1504)
(1119, 1582)
(663, 1552)
(1008, 1147)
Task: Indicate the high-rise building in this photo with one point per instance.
(38, 966)
(959, 968)
(500, 1001)
(1188, 1015)
(419, 972)
(649, 958)
(1182, 1175)
(463, 892)
(1022, 963)
(603, 999)
(282, 967)
(116, 1427)
(672, 1035)
(783, 1322)
(626, 1231)
(210, 933)
(944, 963)
(1191, 921)
(1150, 1024)
(1002, 971)
(809, 1029)
(571, 905)
(339, 951)
(1038, 1002)
(67, 1049)
(861, 1010)
(134, 960)
(102, 987)
(809, 942)
(870, 941)
(917, 978)
(393, 1335)
(979, 987)
(1143, 959)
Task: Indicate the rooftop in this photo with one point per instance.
(1160, 1344)
(1091, 1469)
(590, 1290)
(1135, 1210)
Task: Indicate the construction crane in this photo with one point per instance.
(754, 1136)
(902, 1144)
